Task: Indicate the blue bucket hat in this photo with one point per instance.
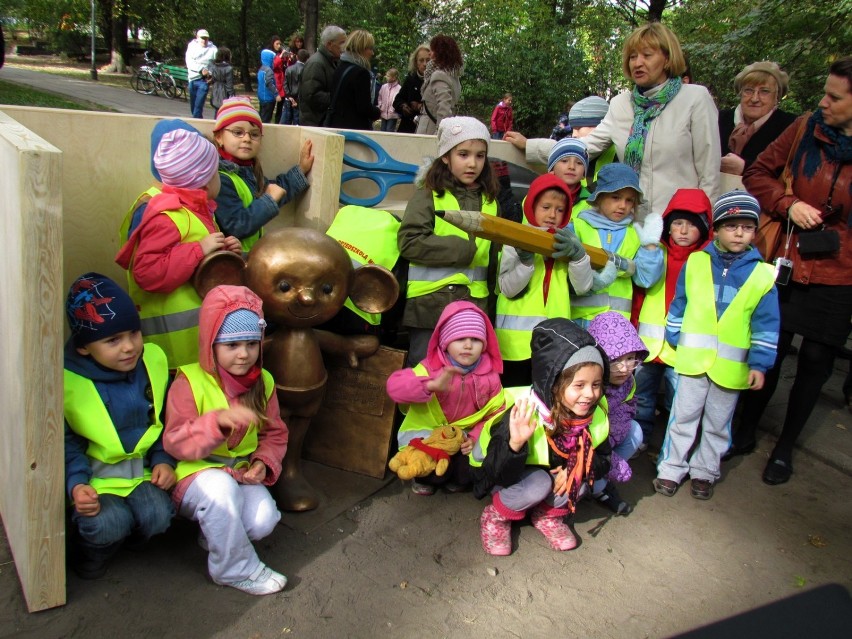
(614, 177)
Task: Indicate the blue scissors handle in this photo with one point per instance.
(383, 180)
(383, 162)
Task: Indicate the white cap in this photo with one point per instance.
(202, 33)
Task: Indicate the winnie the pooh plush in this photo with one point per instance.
(423, 456)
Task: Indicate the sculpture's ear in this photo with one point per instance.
(374, 289)
(220, 267)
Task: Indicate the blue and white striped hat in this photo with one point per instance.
(240, 325)
(736, 204)
(568, 147)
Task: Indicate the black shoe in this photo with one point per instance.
(777, 471)
(739, 449)
(610, 498)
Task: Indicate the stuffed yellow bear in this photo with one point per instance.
(423, 456)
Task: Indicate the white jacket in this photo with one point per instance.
(199, 56)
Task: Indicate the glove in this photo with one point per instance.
(567, 245)
(622, 263)
(526, 257)
(606, 276)
(651, 231)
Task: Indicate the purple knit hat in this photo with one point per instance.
(616, 335)
(186, 160)
(466, 323)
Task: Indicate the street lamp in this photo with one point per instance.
(94, 71)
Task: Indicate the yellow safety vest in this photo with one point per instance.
(124, 231)
(720, 347)
(369, 237)
(618, 296)
(423, 280)
(114, 471)
(170, 320)
(247, 197)
(652, 320)
(209, 396)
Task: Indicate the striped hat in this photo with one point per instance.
(587, 112)
(186, 160)
(236, 110)
(241, 325)
(465, 323)
(568, 147)
(736, 204)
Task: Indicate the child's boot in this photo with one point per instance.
(495, 527)
(548, 521)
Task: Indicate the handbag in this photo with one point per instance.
(770, 229)
(329, 114)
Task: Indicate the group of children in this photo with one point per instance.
(558, 423)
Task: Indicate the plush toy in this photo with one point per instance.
(423, 456)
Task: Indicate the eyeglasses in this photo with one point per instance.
(625, 364)
(241, 133)
(763, 92)
(746, 228)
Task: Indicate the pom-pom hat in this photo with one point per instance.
(568, 147)
(236, 110)
(186, 160)
(241, 325)
(453, 131)
(735, 205)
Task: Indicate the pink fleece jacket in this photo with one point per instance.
(467, 393)
(190, 436)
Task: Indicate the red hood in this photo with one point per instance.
(543, 183)
(691, 201)
(217, 304)
(437, 359)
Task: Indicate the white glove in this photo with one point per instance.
(651, 231)
(603, 278)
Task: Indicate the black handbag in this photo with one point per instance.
(816, 242)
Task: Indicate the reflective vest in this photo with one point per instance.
(618, 296)
(652, 320)
(421, 419)
(115, 471)
(423, 280)
(720, 347)
(209, 396)
(247, 197)
(124, 231)
(538, 450)
(369, 237)
(170, 320)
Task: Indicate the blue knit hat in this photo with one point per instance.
(736, 204)
(614, 177)
(98, 308)
(240, 325)
(588, 112)
(568, 147)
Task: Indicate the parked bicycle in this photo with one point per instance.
(152, 78)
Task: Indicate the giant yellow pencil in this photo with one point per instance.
(522, 236)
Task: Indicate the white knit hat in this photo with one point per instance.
(453, 131)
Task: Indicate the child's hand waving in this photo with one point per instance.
(234, 418)
(441, 383)
(522, 423)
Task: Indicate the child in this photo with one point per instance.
(501, 118)
(609, 225)
(619, 340)
(540, 457)
(446, 263)
(175, 233)
(724, 343)
(223, 423)
(686, 229)
(222, 74)
(247, 200)
(292, 82)
(387, 94)
(116, 471)
(267, 90)
(533, 288)
(569, 161)
(458, 383)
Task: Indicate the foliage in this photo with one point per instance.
(17, 94)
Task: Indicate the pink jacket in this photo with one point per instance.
(467, 393)
(387, 94)
(190, 436)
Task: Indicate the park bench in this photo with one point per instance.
(180, 75)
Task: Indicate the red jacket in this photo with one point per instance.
(501, 118)
(279, 65)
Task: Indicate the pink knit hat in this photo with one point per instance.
(186, 160)
(466, 323)
(236, 109)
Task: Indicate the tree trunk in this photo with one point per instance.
(310, 16)
(118, 62)
(244, 54)
(655, 10)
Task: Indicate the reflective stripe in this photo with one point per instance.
(517, 322)
(230, 462)
(435, 273)
(652, 331)
(170, 323)
(124, 469)
(711, 342)
(602, 299)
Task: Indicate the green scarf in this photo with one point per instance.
(645, 110)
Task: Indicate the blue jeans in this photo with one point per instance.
(290, 114)
(197, 95)
(389, 126)
(498, 135)
(648, 379)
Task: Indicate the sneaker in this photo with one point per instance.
(665, 487)
(642, 448)
(702, 488)
(453, 487)
(265, 582)
(424, 490)
(610, 498)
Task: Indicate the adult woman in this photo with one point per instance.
(408, 101)
(279, 64)
(441, 87)
(817, 303)
(351, 101)
(666, 130)
(297, 42)
(757, 120)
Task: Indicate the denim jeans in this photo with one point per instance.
(389, 126)
(197, 95)
(290, 115)
(648, 379)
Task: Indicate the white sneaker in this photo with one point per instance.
(265, 582)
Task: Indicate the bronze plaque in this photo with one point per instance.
(354, 427)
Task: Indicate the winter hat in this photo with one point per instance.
(568, 147)
(160, 129)
(465, 323)
(781, 78)
(240, 325)
(236, 110)
(186, 160)
(453, 131)
(98, 308)
(616, 335)
(736, 204)
(614, 177)
(588, 112)
(698, 221)
(585, 355)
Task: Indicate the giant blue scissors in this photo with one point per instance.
(384, 171)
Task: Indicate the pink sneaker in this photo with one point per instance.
(548, 521)
(496, 532)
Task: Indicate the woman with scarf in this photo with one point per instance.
(408, 101)
(441, 86)
(817, 303)
(667, 131)
(351, 100)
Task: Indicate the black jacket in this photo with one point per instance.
(771, 129)
(353, 105)
(409, 92)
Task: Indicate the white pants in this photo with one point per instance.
(231, 515)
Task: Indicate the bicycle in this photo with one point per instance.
(152, 78)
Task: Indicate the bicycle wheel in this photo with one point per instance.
(143, 82)
(168, 86)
